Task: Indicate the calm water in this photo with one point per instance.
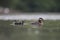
(34, 34)
(19, 33)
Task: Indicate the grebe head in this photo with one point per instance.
(40, 18)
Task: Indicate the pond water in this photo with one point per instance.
(34, 34)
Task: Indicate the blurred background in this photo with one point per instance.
(30, 5)
(37, 8)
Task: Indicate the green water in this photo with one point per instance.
(50, 31)
(34, 34)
